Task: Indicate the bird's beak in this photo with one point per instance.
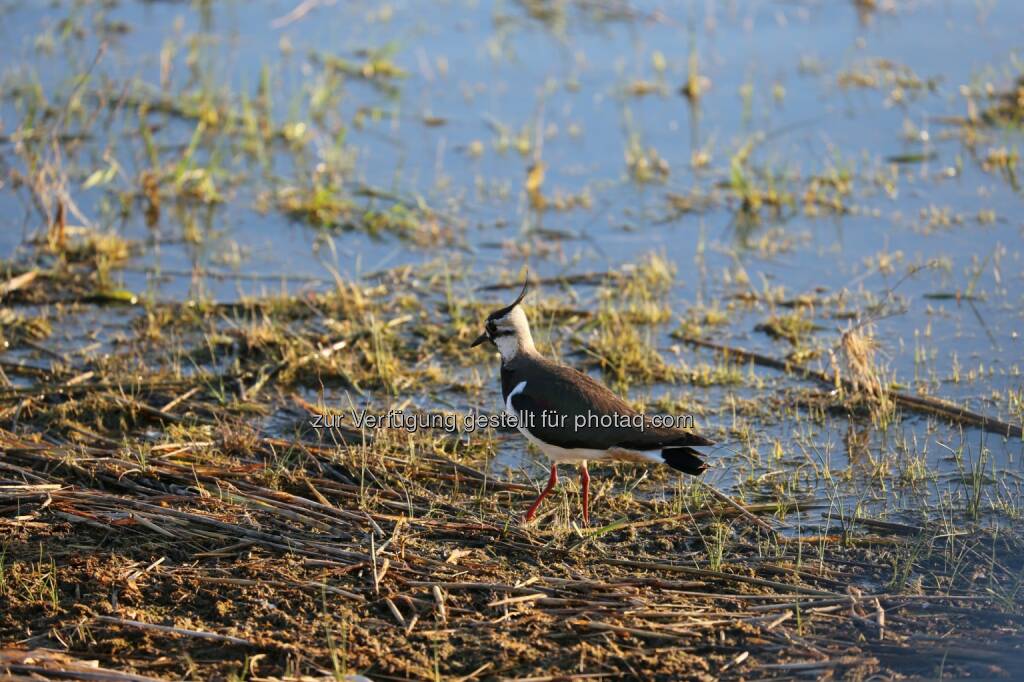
(480, 339)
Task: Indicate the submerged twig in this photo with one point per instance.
(925, 405)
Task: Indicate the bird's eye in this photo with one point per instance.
(491, 327)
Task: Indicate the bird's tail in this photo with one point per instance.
(684, 459)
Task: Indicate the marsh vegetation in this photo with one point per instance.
(797, 222)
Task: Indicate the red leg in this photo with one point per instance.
(585, 480)
(551, 484)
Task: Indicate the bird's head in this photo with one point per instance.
(508, 329)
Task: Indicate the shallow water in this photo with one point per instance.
(484, 78)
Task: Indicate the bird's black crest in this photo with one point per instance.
(507, 309)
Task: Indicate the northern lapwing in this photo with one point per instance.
(571, 416)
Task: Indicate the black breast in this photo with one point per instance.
(509, 381)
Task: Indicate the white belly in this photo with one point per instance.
(559, 455)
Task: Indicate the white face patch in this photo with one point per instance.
(508, 346)
(519, 340)
(520, 387)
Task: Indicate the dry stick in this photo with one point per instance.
(442, 611)
(27, 491)
(275, 496)
(60, 668)
(518, 600)
(738, 507)
(267, 502)
(953, 412)
(395, 612)
(736, 661)
(266, 539)
(476, 474)
(18, 282)
(779, 621)
(842, 661)
(676, 568)
(177, 631)
(74, 384)
(26, 370)
(81, 378)
(638, 632)
(449, 585)
(181, 398)
(125, 401)
(693, 516)
(311, 585)
(556, 678)
(476, 673)
(322, 353)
